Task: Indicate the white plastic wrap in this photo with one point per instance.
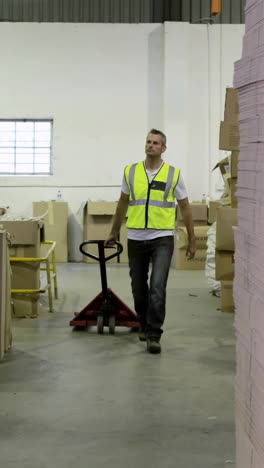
(214, 286)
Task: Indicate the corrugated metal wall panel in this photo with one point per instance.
(242, 11)
(176, 11)
(186, 10)
(205, 8)
(157, 10)
(136, 12)
(94, 12)
(147, 11)
(55, 11)
(195, 11)
(235, 14)
(118, 11)
(36, 12)
(124, 12)
(226, 11)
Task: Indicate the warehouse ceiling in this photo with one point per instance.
(119, 11)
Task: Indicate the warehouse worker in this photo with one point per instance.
(148, 191)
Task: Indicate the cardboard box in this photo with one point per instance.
(226, 197)
(227, 300)
(5, 297)
(229, 138)
(226, 218)
(181, 262)
(199, 214)
(56, 225)
(234, 164)
(231, 105)
(53, 212)
(223, 165)
(25, 275)
(224, 265)
(228, 168)
(98, 218)
(102, 208)
(27, 232)
(97, 228)
(213, 205)
(233, 189)
(58, 233)
(225, 168)
(200, 233)
(25, 237)
(25, 306)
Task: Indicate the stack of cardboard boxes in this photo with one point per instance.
(226, 216)
(5, 296)
(200, 218)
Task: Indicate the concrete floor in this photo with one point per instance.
(78, 399)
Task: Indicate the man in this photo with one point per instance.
(148, 191)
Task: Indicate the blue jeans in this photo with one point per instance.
(150, 300)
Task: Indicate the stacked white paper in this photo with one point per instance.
(249, 241)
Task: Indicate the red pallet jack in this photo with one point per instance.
(106, 309)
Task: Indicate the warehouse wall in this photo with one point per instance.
(105, 85)
(119, 11)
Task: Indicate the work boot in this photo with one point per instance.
(153, 345)
(141, 335)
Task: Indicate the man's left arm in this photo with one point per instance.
(188, 221)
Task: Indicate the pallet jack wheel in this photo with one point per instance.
(111, 325)
(100, 324)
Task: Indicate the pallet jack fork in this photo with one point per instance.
(106, 309)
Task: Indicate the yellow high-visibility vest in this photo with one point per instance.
(151, 205)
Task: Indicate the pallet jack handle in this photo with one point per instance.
(102, 259)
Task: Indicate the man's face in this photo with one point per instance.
(154, 146)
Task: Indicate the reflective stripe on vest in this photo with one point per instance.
(161, 204)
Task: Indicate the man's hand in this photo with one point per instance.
(110, 240)
(190, 252)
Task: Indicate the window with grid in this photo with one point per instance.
(25, 146)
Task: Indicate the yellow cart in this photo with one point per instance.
(50, 267)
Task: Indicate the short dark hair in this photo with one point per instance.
(154, 131)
